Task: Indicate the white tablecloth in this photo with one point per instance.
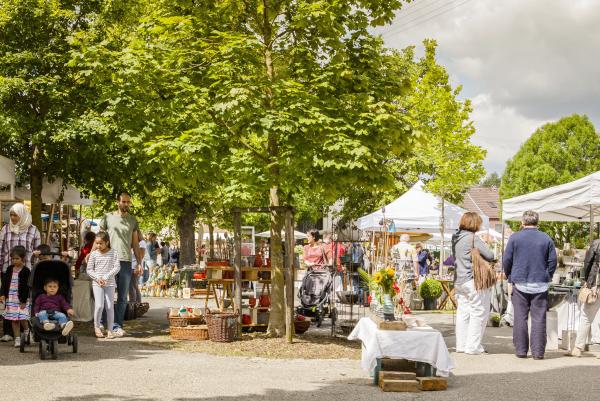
(418, 344)
(568, 319)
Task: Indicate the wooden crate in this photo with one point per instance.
(432, 383)
(410, 386)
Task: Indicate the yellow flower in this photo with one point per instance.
(391, 273)
(377, 277)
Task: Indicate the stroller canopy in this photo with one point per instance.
(56, 269)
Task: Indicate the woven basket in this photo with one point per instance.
(186, 321)
(222, 327)
(300, 327)
(192, 333)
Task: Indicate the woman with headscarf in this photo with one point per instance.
(18, 231)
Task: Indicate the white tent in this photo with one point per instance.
(7, 174)
(51, 193)
(578, 200)
(416, 211)
(297, 235)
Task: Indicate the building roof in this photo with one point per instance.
(483, 200)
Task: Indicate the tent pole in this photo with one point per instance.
(591, 224)
(442, 223)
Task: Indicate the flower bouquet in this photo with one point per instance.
(385, 288)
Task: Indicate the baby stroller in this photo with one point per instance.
(315, 296)
(48, 340)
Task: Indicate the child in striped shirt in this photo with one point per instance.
(103, 266)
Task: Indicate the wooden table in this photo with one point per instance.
(226, 293)
(449, 294)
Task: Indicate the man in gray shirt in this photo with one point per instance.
(122, 228)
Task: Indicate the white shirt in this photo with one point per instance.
(134, 262)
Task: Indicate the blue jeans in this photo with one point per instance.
(123, 282)
(60, 317)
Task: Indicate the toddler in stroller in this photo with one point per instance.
(51, 305)
(51, 287)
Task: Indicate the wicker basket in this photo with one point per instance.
(300, 326)
(192, 333)
(222, 327)
(186, 321)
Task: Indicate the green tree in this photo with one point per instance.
(491, 180)
(36, 96)
(556, 153)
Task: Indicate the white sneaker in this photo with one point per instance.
(67, 327)
(17, 342)
(6, 338)
(49, 326)
(118, 332)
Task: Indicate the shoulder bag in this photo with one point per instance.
(484, 273)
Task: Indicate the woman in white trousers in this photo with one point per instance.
(473, 310)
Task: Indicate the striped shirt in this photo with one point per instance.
(30, 239)
(104, 266)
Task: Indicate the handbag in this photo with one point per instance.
(589, 295)
(484, 273)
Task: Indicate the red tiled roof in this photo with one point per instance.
(483, 200)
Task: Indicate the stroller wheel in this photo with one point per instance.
(74, 343)
(23, 342)
(54, 349)
(319, 319)
(44, 345)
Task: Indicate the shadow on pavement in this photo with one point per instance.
(578, 383)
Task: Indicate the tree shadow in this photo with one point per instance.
(577, 383)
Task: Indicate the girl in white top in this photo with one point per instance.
(103, 265)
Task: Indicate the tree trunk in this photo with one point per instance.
(443, 231)
(277, 317)
(36, 183)
(211, 240)
(185, 227)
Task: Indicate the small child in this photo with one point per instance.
(53, 301)
(103, 266)
(15, 292)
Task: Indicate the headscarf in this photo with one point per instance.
(24, 219)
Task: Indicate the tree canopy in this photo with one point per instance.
(556, 153)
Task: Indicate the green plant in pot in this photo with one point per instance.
(495, 319)
(430, 290)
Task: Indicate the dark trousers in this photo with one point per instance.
(524, 304)
(123, 281)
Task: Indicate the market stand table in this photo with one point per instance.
(420, 344)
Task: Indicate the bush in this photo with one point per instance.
(430, 289)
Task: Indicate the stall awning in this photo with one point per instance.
(54, 192)
(416, 211)
(578, 200)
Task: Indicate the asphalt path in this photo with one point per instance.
(131, 369)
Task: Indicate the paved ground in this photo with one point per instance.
(130, 369)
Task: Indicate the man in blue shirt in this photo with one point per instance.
(529, 262)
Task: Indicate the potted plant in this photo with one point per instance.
(495, 319)
(430, 290)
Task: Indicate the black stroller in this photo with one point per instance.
(315, 296)
(48, 340)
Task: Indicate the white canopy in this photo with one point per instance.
(7, 173)
(416, 211)
(572, 201)
(297, 234)
(51, 193)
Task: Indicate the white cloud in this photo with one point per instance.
(522, 62)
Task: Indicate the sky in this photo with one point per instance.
(521, 62)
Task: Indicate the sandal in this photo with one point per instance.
(99, 333)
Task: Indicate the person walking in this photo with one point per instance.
(122, 229)
(473, 310)
(137, 280)
(589, 311)
(529, 262)
(18, 231)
